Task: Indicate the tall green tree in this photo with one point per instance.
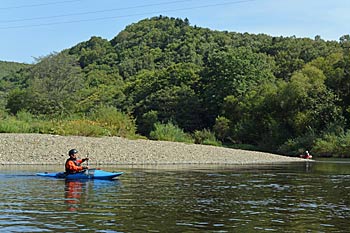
(54, 85)
(171, 92)
(305, 103)
(233, 73)
(102, 86)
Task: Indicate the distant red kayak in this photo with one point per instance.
(306, 156)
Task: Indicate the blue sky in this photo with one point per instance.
(34, 28)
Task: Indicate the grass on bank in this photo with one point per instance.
(111, 122)
(102, 122)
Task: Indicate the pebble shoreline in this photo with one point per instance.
(43, 149)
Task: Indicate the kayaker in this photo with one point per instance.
(73, 164)
(306, 156)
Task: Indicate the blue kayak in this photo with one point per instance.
(88, 174)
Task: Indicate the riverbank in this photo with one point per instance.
(42, 149)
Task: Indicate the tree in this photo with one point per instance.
(232, 73)
(305, 103)
(94, 51)
(54, 85)
(171, 92)
(102, 86)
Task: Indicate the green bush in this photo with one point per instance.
(297, 146)
(344, 145)
(25, 124)
(114, 121)
(205, 137)
(24, 116)
(221, 127)
(43, 127)
(12, 125)
(78, 128)
(103, 122)
(3, 114)
(333, 145)
(326, 146)
(169, 132)
(147, 121)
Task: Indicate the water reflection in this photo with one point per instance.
(73, 192)
(79, 192)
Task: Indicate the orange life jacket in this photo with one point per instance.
(73, 166)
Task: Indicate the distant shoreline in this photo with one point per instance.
(44, 149)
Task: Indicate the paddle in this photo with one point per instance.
(87, 156)
(87, 164)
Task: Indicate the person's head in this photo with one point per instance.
(72, 153)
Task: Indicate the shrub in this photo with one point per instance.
(221, 127)
(103, 121)
(12, 125)
(298, 145)
(169, 132)
(344, 145)
(3, 114)
(147, 121)
(116, 122)
(326, 146)
(24, 116)
(333, 145)
(205, 137)
(44, 127)
(79, 128)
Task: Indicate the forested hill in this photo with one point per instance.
(281, 94)
(6, 68)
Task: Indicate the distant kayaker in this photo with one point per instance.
(73, 164)
(306, 156)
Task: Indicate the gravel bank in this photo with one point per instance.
(44, 149)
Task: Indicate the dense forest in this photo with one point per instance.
(162, 76)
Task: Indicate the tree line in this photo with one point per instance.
(277, 94)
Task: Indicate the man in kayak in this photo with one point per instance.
(306, 156)
(73, 164)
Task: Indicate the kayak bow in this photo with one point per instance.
(88, 174)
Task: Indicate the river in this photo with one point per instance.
(297, 197)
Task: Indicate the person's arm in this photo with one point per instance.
(80, 161)
(83, 160)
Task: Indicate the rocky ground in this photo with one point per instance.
(53, 150)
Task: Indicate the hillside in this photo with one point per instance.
(7, 68)
(283, 94)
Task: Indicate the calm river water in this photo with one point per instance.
(302, 197)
